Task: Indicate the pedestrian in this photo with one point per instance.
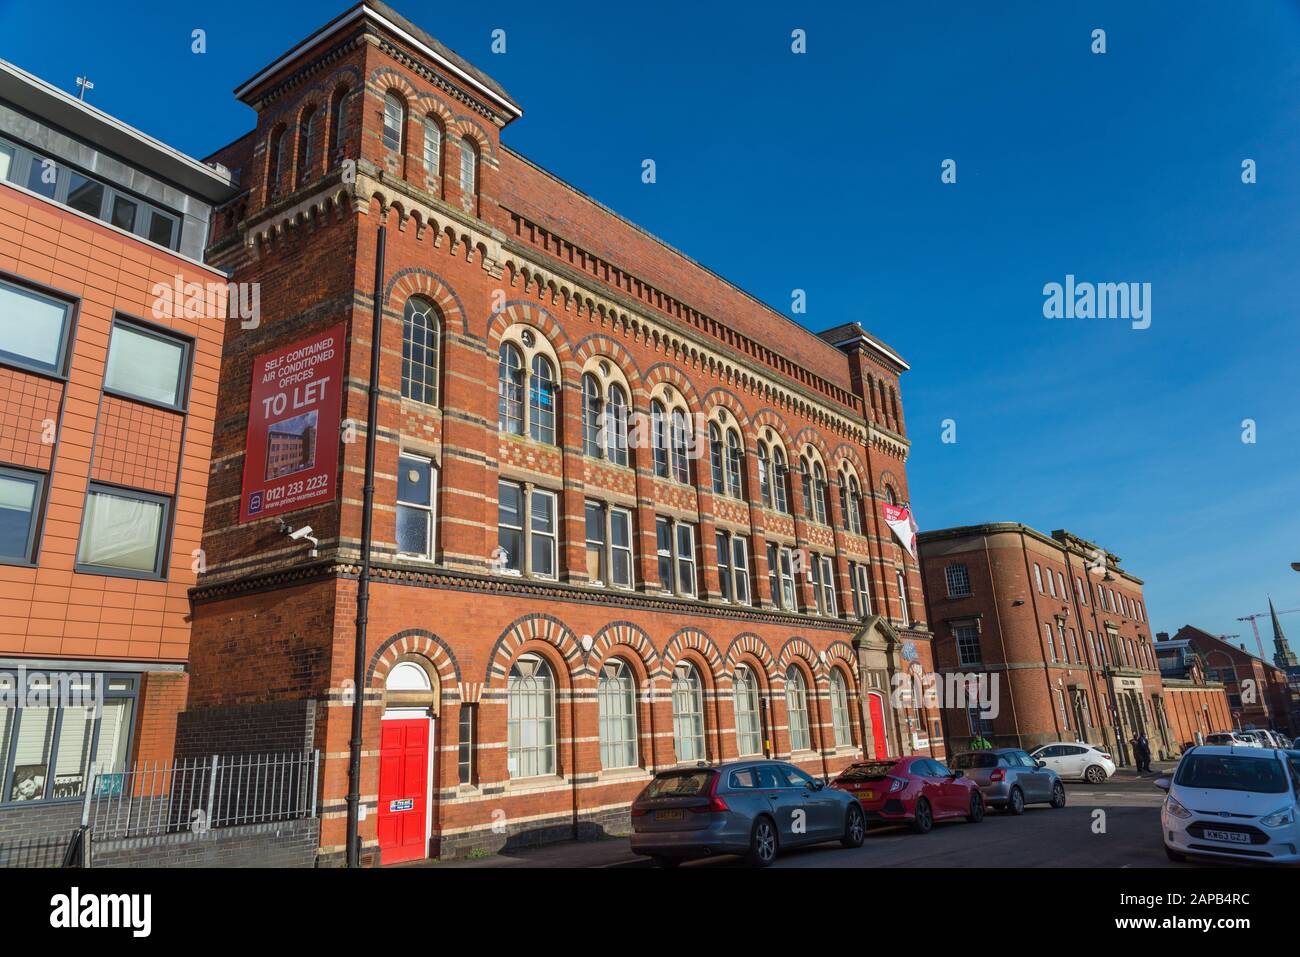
(1144, 753)
(980, 743)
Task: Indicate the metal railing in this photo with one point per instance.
(201, 794)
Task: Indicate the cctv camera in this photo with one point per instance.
(304, 532)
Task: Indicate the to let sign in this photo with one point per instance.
(291, 457)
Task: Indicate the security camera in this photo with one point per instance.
(301, 534)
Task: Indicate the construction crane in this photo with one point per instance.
(1263, 614)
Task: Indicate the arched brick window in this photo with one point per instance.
(307, 131)
(394, 122)
(421, 343)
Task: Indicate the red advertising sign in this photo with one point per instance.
(292, 454)
(899, 519)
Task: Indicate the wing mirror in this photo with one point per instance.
(1040, 764)
(1161, 783)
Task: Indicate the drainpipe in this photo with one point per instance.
(1002, 640)
(363, 580)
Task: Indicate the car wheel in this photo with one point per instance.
(1095, 774)
(976, 809)
(1174, 855)
(762, 843)
(661, 861)
(1058, 795)
(1016, 802)
(923, 820)
(855, 827)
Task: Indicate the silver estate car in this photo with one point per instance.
(1009, 778)
(751, 808)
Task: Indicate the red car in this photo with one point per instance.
(914, 789)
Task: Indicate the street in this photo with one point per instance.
(1125, 834)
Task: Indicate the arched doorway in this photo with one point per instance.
(406, 767)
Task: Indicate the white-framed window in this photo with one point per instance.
(780, 480)
(466, 745)
(1051, 583)
(827, 601)
(733, 567)
(1038, 577)
(597, 544)
(796, 708)
(841, 722)
(903, 606)
(534, 405)
(1051, 642)
(394, 122)
(788, 593)
(1060, 704)
(421, 346)
(774, 573)
(675, 543)
(416, 490)
(620, 547)
(682, 442)
(530, 719)
(764, 476)
(958, 579)
(307, 143)
(432, 153)
(735, 463)
(858, 578)
(1060, 587)
(659, 437)
(527, 526)
(1080, 591)
(609, 545)
(468, 168)
(339, 123)
(542, 390)
(688, 714)
(716, 467)
(616, 703)
(749, 731)
(968, 644)
(510, 389)
(851, 494)
(593, 411)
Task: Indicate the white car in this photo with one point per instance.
(1231, 803)
(1229, 739)
(1077, 761)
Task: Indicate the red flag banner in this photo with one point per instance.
(899, 518)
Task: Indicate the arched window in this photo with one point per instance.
(796, 706)
(890, 497)
(394, 121)
(593, 405)
(805, 480)
(468, 169)
(339, 123)
(822, 500)
(616, 425)
(530, 719)
(840, 722)
(855, 505)
(420, 347)
(681, 447)
(764, 476)
(780, 480)
(510, 389)
(432, 155)
(715, 459)
(616, 699)
(688, 714)
(735, 483)
(307, 143)
(278, 146)
(749, 732)
(541, 401)
(659, 437)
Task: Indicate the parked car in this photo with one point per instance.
(1236, 803)
(915, 789)
(1227, 739)
(1267, 738)
(752, 808)
(1076, 760)
(1009, 779)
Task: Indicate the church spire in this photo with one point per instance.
(1283, 656)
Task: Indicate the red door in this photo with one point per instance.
(878, 725)
(403, 790)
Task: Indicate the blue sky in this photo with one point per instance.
(822, 172)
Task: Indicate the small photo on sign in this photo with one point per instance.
(29, 782)
(291, 445)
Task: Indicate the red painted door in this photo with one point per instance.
(878, 725)
(403, 790)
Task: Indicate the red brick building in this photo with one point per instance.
(1061, 626)
(625, 515)
(1195, 704)
(107, 404)
(1258, 692)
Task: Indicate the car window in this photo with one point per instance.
(1072, 749)
(769, 777)
(867, 771)
(1025, 760)
(744, 778)
(680, 784)
(1053, 751)
(925, 767)
(1227, 772)
(795, 777)
(975, 759)
(940, 769)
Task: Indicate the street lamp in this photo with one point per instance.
(1295, 566)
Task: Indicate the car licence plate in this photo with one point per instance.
(1232, 837)
(676, 815)
(868, 795)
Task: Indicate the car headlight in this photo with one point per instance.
(1279, 818)
(1176, 809)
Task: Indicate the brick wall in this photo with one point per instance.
(285, 844)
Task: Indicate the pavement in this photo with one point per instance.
(1115, 824)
